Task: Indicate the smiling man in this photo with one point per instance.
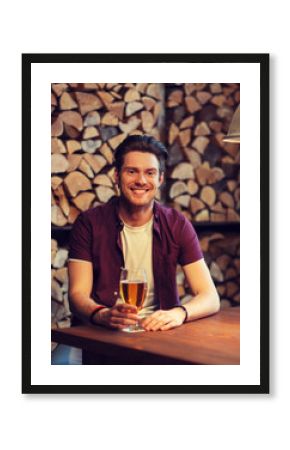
(133, 231)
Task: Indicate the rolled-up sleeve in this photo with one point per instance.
(190, 250)
(80, 244)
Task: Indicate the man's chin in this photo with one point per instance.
(140, 200)
(140, 195)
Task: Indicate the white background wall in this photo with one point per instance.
(201, 421)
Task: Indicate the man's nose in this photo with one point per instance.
(141, 179)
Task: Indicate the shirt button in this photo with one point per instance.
(115, 293)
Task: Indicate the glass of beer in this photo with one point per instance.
(133, 291)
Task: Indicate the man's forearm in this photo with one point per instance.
(82, 305)
(206, 299)
(202, 305)
(117, 316)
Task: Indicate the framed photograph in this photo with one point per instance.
(211, 112)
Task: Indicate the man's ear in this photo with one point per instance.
(161, 178)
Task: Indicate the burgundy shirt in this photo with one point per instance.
(95, 237)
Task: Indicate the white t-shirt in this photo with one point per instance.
(137, 250)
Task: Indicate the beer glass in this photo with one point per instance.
(133, 291)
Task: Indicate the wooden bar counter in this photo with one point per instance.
(211, 340)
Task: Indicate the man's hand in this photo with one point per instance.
(164, 319)
(119, 316)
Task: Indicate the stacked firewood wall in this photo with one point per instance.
(60, 311)
(204, 171)
(88, 123)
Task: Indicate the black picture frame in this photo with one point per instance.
(263, 61)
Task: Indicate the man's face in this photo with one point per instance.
(139, 178)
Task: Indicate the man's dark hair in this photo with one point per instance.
(141, 143)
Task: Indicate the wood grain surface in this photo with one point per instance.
(211, 340)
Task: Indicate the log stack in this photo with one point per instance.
(60, 311)
(222, 254)
(203, 180)
(89, 121)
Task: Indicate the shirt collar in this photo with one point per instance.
(114, 203)
(156, 223)
(120, 224)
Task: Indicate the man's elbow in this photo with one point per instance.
(74, 299)
(72, 304)
(215, 303)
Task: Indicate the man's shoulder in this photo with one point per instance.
(98, 212)
(169, 213)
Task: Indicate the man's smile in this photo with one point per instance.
(139, 191)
